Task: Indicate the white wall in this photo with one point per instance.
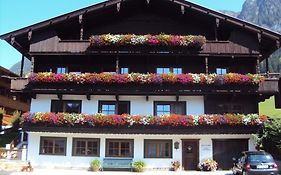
(139, 105)
(205, 149)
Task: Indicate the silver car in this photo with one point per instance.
(255, 163)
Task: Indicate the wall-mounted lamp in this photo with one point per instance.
(14, 97)
(176, 145)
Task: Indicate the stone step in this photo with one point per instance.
(12, 165)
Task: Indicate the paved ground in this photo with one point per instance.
(84, 172)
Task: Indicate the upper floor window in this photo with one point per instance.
(221, 71)
(124, 70)
(69, 106)
(165, 70)
(113, 107)
(163, 108)
(62, 70)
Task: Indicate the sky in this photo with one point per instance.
(16, 14)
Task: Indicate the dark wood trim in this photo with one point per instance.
(53, 148)
(157, 141)
(171, 103)
(130, 141)
(86, 140)
(21, 66)
(158, 130)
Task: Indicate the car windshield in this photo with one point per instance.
(259, 158)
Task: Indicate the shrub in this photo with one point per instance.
(95, 165)
(16, 117)
(138, 166)
(269, 138)
(208, 165)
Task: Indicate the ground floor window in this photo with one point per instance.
(53, 145)
(157, 148)
(85, 147)
(119, 148)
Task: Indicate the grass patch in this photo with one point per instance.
(268, 108)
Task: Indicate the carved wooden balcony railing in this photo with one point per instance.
(55, 45)
(270, 86)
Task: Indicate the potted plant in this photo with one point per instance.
(95, 165)
(138, 166)
(176, 165)
(208, 165)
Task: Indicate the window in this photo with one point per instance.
(112, 107)
(85, 147)
(62, 70)
(162, 70)
(162, 108)
(229, 108)
(119, 148)
(70, 106)
(53, 145)
(157, 148)
(168, 70)
(124, 70)
(221, 71)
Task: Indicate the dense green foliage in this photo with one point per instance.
(270, 138)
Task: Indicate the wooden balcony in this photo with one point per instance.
(56, 46)
(271, 86)
(7, 102)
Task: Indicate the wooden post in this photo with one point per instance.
(32, 65)
(216, 28)
(21, 66)
(266, 66)
(117, 65)
(258, 65)
(206, 65)
(81, 27)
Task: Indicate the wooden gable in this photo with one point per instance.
(143, 17)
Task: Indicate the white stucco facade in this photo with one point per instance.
(138, 104)
(205, 149)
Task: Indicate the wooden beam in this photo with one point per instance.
(59, 96)
(182, 9)
(277, 44)
(29, 35)
(266, 66)
(259, 37)
(88, 96)
(177, 98)
(117, 98)
(13, 39)
(118, 6)
(147, 98)
(21, 66)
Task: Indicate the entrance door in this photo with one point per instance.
(190, 154)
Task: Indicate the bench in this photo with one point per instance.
(115, 163)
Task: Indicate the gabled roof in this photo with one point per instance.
(186, 4)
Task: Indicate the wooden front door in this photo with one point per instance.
(190, 154)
